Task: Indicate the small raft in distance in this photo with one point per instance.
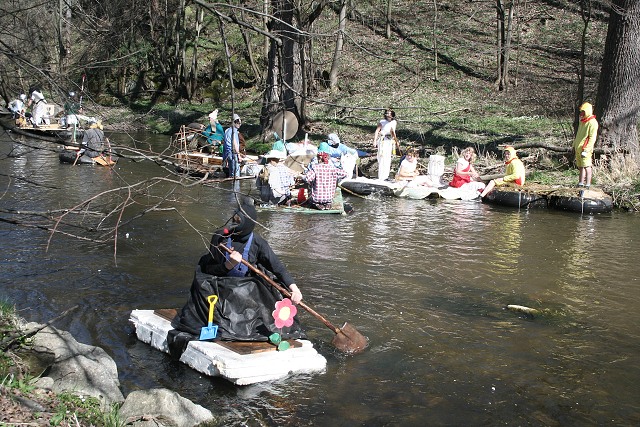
(242, 363)
(71, 156)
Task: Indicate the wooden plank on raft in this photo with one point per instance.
(240, 347)
(252, 347)
(166, 313)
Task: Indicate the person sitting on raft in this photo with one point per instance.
(93, 140)
(246, 245)
(323, 179)
(465, 175)
(245, 300)
(214, 134)
(514, 173)
(275, 180)
(17, 107)
(408, 170)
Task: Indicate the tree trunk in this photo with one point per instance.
(265, 22)
(337, 54)
(504, 31)
(618, 101)
(287, 77)
(585, 13)
(249, 50)
(388, 19)
(192, 83)
(435, 39)
(499, 40)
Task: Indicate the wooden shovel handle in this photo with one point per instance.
(284, 291)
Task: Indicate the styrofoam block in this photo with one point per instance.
(213, 359)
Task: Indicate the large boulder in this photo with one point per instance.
(161, 407)
(77, 368)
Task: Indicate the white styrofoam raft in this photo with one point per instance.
(215, 360)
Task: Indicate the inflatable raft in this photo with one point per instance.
(71, 157)
(592, 201)
(242, 363)
(366, 186)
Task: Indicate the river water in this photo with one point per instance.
(427, 281)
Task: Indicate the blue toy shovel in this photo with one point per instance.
(210, 331)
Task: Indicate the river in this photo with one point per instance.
(427, 281)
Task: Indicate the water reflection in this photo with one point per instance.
(427, 282)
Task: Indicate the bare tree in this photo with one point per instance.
(337, 54)
(434, 34)
(289, 71)
(387, 19)
(504, 31)
(618, 100)
(585, 14)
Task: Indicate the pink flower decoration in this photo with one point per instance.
(284, 313)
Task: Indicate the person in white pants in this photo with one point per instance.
(39, 108)
(384, 138)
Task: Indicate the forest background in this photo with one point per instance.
(457, 73)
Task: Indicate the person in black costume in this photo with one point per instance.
(245, 300)
(248, 245)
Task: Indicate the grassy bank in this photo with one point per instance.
(24, 404)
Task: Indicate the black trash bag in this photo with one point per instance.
(242, 313)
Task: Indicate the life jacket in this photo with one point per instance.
(240, 270)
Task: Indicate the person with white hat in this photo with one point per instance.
(275, 180)
(231, 149)
(214, 133)
(16, 106)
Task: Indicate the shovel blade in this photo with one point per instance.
(349, 340)
(208, 332)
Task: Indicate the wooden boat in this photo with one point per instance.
(337, 207)
(242, 363)
(199, 164)
(592, 201)
(71, 156)
(52, 132)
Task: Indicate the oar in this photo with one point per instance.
(347, 338)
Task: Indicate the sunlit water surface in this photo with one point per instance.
(426, 281)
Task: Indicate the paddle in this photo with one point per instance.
(347, 338)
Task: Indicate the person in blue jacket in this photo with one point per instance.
(338, 148)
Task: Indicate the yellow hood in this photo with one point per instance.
(587, 108)
(512, 153)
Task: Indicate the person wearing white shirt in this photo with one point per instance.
(39, 108)
(384, 138)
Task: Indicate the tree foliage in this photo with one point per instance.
(172, 51)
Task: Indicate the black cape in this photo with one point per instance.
(243, 311)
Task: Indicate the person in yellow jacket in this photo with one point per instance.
(584, 142)
(514, 172)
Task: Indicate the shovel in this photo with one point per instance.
(347, 339)
(210, 331)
